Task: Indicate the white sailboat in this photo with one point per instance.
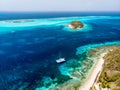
(60, 60)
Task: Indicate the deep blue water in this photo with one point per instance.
(27, 56)
(29, 15)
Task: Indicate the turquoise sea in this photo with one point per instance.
(29, 48)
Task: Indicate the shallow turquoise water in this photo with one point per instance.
(28, 50)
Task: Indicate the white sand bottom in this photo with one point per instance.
(94, 72)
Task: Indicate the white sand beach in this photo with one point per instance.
(96, 69)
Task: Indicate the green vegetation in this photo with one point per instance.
(77, 24)
(110, 76)
(115, 89)
(92, 88)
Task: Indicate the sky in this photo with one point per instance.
(59, 5)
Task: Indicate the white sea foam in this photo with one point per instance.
(86, 27)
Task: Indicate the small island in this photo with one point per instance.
(19, 21)
(76, 25)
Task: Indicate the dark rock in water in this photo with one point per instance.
(53, 76)
(76, 25)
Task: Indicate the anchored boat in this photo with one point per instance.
(60, 60)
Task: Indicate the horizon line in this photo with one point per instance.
(59, 11)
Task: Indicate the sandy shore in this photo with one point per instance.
(96, 69)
